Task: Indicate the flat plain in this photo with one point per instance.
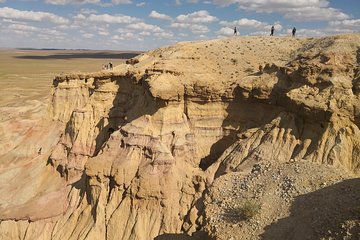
(27, 74)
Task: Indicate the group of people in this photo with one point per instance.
(271, 31)
(107, 66)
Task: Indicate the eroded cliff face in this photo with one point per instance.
(141, 144)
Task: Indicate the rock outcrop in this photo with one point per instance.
(144, 147)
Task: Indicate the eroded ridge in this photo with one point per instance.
(146, 149)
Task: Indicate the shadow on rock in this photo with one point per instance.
(329, 213)
(181, 236)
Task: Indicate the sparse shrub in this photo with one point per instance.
(234, 61)
(244, 212)
(249, 70)
(248, 210)
(132, 61)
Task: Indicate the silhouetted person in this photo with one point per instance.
(272, 31)
(294, 32)
(235, 31)
(110, 65)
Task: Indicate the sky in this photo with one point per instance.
(145, 25)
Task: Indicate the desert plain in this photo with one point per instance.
(26, 74)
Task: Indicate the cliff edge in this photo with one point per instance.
(177, 140)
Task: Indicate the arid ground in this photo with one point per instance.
(237, 138)
(27, 74)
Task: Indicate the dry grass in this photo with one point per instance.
(243, 212)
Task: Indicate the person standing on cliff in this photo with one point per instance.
(235, 31)
(294, 32)
(272, 31)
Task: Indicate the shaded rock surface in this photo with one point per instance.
(172, 142)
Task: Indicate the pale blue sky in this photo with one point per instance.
(144, 25)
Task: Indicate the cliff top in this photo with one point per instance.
(183, 137)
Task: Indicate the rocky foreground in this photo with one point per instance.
(180, 141)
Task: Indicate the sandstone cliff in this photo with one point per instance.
(154, 146)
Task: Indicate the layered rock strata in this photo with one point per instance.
(142, 143)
